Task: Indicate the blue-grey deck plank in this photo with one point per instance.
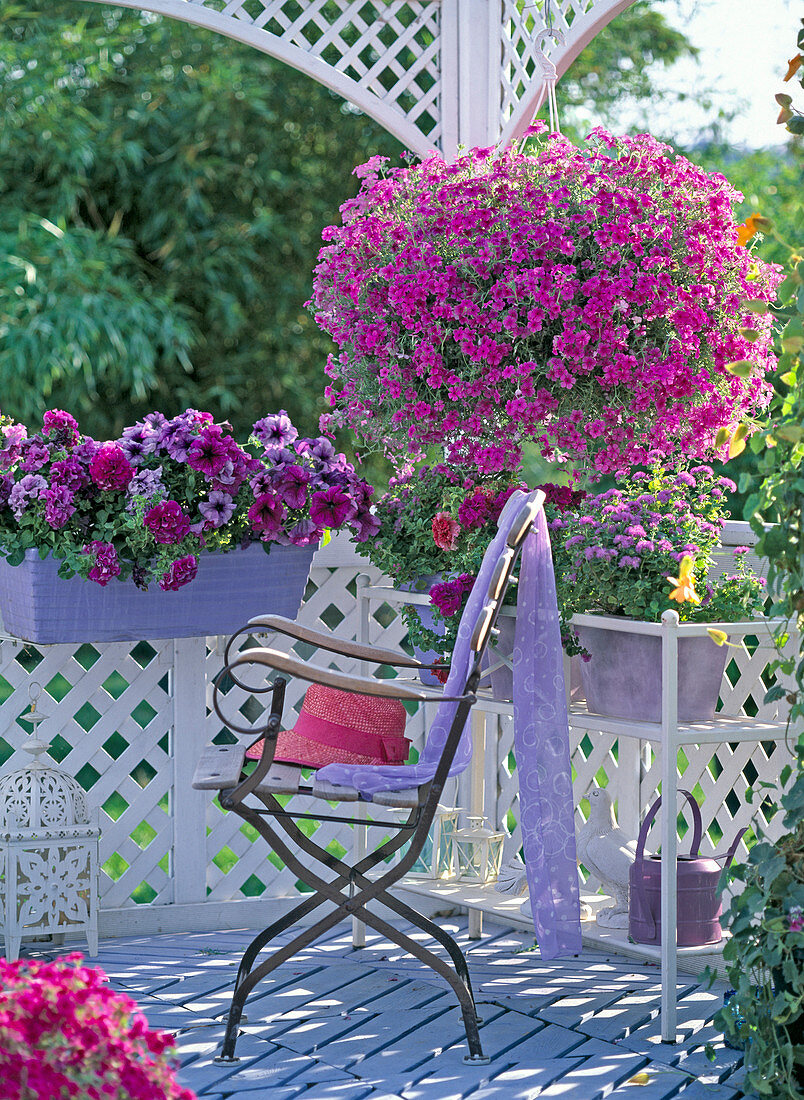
(339, 1023)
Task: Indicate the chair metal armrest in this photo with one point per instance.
(366, 685)
(280, 625)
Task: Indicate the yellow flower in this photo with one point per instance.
(684, 591)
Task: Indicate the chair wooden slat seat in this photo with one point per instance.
(280, 779)
(402, 800)
(332, 793)
(219, 767)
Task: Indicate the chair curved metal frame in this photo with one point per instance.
(351, 890)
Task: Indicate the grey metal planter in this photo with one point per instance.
(39, 606)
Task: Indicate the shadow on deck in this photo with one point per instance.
(344, 1024)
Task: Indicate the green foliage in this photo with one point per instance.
(193, 176)
(465, 506)
(765, 955)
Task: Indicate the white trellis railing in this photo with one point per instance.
(129, 720)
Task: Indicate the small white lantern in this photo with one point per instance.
(436, 857)
(48, 851)
(478, 851)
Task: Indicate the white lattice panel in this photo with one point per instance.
(109, 714)
(112, 715)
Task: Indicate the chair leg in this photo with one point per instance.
(437, 933)
(458, 979)
(273, 930)
(462, 992)
(333, 891)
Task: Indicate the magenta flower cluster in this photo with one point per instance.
(448, 596)
(64, 1033)
(144, 506)
(588, 299)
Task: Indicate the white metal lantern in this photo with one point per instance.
(478, 851)
(48, 851)
(436, 857)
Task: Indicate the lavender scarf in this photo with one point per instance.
(541, 737)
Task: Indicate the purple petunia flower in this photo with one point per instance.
(146, 486)
(6, 484)
(12, 436)
(331, 508)
(139, 440)
(35, 455)
(68, 472)
(448, 596)
(291, 486)
(274, 431)
(217, 509)
(304, 533)
(28, 488)
(106, 564)
(266, 514)
(208, 453)
(61, 427)
(167, 522)
(58, 505)
(365, 525)
(180, 573)
(110, 469)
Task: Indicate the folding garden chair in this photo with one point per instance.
(447, 752)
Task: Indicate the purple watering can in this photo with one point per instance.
(699, 904)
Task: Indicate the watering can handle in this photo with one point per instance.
(697, 828)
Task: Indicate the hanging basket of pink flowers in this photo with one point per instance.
(589, 299)
(172, 530)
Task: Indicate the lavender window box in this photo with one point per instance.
(39, 606)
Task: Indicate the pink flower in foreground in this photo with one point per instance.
(445, 531)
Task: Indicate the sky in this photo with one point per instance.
(745, 45)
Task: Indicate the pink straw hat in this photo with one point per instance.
(342, 727)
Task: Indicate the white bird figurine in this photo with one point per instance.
(605, 850)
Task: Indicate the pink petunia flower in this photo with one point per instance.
(445, 531)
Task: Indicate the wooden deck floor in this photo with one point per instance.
(340, 1024)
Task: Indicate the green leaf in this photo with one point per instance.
(792, 338)
(796, 125)
(742, 368)
(16, 557)
(754, 305)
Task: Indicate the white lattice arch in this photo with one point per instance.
(436, 73)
